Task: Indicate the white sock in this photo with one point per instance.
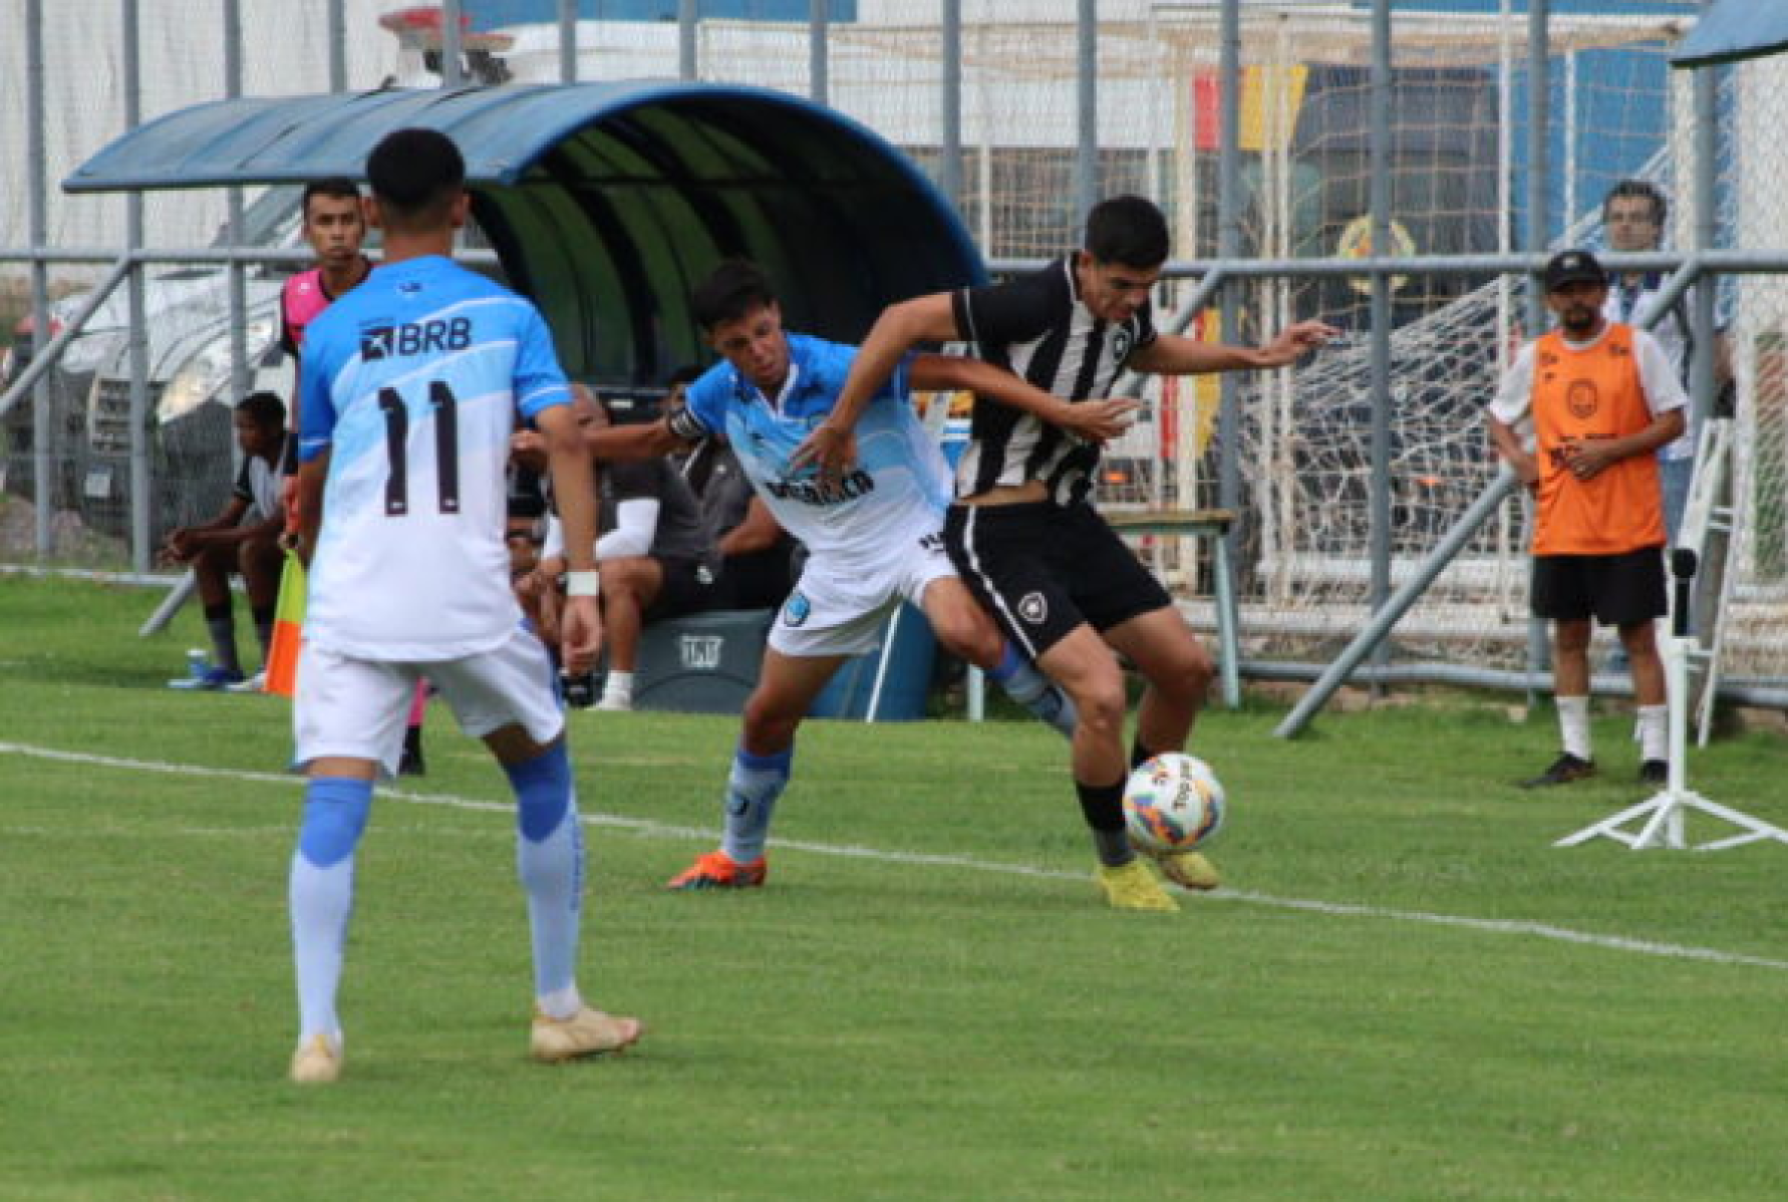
(1573, 725)
(561, 1003)
(618, 685)
(1654, 732)
(321, 901)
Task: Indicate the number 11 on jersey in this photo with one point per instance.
(397, 442)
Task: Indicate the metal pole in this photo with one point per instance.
(1385, 618)
(238, 275)
(949, 170)
(817, 16)
(1229, 247)
(42, 495)
(452, 65)
(686, 44)
(1086, 81)
(1703, 382)
(1539, 225)
(338, 46)
(1701, 312)
(139, 312)
(1380, 176)
(567, 41)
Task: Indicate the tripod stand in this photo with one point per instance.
(1660, 818)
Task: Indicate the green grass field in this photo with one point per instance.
(1404, 993)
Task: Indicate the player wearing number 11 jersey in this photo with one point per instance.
(411, 386)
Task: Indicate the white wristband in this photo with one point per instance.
(583, 584)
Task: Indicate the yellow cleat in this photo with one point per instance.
(1189, 870)
(586, 1033)
(1134, 887)
(316, 1062)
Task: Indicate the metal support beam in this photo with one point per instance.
(1380, 176)
(139, 311)
(818, 19)
(949, 168)
(1229, 247)
(686, 44)
(452, 45)
(43, 466)
(1539, 225)
(1086, 107)
(567, 41)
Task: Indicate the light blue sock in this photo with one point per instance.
(322, 895)
(1022, 682)
(549, 858)
(752, 788)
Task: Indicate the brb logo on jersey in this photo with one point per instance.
(393, 342)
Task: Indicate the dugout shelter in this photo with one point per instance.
(607, 202)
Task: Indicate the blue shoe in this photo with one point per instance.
(212, 680)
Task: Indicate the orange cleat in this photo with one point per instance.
(717, 870)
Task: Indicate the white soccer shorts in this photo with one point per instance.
(356, 708)
(833, 611)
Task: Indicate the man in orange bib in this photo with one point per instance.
(1579, 417)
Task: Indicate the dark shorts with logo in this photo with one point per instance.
(1616, 590)
(1043, 569)
(690, 587)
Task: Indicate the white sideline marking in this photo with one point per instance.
(1495, 926)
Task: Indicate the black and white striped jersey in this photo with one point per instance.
(1035, 326)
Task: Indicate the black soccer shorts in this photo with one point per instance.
(1042, 569)
(1616, 590)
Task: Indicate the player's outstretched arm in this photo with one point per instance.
(574, 491)
(1508, 445)
(1174, 355)
(1095, 421)
(631, 444)
(831, 444)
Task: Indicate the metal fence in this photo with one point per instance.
(1399, 173)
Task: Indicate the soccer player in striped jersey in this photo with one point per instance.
(412, 384)
(1062, 584)
(873, 536)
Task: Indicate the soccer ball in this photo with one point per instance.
(1173, 803)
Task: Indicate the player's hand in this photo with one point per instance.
(1588, 458)
(1100, 421)
(528, 448)
(1296, 341)
(580, 635)
(1527, 470)
(828, 448)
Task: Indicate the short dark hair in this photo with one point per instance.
(264, 409)
(1128, 230)
(415, 174)
(338, 186)
(1660, 206)
(732, 290)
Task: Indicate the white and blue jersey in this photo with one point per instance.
(412, 383)
(900, 482)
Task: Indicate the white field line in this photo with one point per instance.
(659, 830)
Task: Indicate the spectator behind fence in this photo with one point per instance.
(243, 538)
(654, 558)
(1633, 217)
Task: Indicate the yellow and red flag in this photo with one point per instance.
(288, 630)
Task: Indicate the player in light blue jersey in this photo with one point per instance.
(873, 535)
(412, 384)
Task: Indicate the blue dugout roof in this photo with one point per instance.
(1732, 30)
(608, 202)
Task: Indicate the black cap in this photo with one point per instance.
(1573, 267)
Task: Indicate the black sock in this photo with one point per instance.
(263, 615)
(1103, 806)
(221, 623)
(1140, 755)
